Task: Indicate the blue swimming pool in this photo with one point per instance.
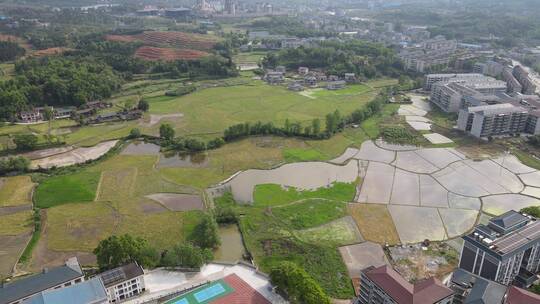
(209, 293)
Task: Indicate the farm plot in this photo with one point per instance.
(169, 39)
(16, 191)
(167, 54)
(178, 202)
(79, 187)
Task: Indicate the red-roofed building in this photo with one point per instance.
(384, 285)
(242, 294)
(521, 296)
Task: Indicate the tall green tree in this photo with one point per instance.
(166, 131)
(187, 255)
(25, 142)
(48, 115)
(118, 250)
(205, 234)
(316, 126)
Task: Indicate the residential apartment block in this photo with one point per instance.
(49, 279)
(513, 85)
(523, 77)
(383, 285)
(506, 250)
(493, 120)
(431, 54)
(431, 79)
(449, 91)
(500, 115)
(123, 282)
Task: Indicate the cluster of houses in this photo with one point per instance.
(37, 114)
(67, 284)
(86, 113)
(304, 78)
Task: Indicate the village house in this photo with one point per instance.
(295, 86)
(30, 116)
(65, 112)
(310, 81)
(333, 78)
(123, 282)
(350, 77)
(274, 77)
(336, 85)
(303, 70)
(281, 69)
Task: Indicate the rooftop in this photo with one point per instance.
(88, 292)
(23, 288)
(501, 241)
(480, 290)
(120, 274)
(520, 296)
(403, 292)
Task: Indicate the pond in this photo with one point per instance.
(232, 248)
(304, 176)
(169, 159)
(141, 148)
(182, 160)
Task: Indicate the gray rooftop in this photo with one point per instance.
(88, 292)
(120, 274)
(509, 219)
(23, 288)
(482, 291)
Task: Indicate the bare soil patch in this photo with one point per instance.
(50, 51)
(168, 54)
(44, 257)
(14, 209)
(149, 207)
(170, 39)
(11, 247)
(415, 263)
(178, 202)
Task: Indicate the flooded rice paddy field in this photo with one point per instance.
(439, 189)
(167, 159)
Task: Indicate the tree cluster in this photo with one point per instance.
(56, 81)
(115, 250)
(366, 59)
(14, 164)
(10, 51)
(297, 284)
(210, 66)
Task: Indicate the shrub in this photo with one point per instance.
(299, 286)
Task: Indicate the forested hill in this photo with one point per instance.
(56, 81)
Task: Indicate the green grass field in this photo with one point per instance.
(72, 188)
(310, 212)
(210, 111)
(275, 195)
